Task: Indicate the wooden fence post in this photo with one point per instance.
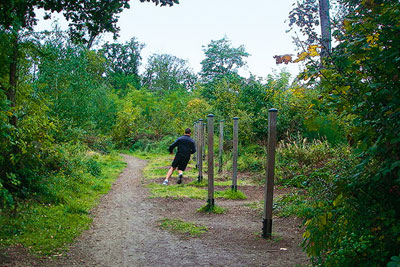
(210, 157)
(200, 150)
(195, 140)
(220, 145)
(204, 132)
(270, 174)
(235, 152)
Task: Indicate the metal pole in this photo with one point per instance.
(200, 151)
(235, 152)
(270, 174)
(221, 144)
(210, 170)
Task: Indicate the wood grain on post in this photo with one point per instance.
(194, 135)
(200, 150)
(220, 145)
(270, 174)
(235, 152)
(204, 132)
(210, 170)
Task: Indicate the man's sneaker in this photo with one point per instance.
(179, 179)
(165, 182)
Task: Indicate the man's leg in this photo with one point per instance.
(169, 173)
(181, 167)
(180, 176)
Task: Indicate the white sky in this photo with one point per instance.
(183, 29)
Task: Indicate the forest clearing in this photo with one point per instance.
(126, 231)
(85, 131)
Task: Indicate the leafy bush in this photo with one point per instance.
(300, 162)
(100, 143)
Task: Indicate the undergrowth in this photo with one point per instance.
(46, 227)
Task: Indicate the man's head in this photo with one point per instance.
(188, 131)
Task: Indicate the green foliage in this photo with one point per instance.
(292, 204)
(166, 73)
(49, 225)
(70, 78)
(181, 227)
(300, 162)
(123, 61)
(149, 116)
(357, 223)
(221, 59)
(395, 261)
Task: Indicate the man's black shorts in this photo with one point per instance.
(180, 161)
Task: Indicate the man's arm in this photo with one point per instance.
(193, 148)
(174, 144)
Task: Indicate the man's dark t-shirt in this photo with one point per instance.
(185, 146)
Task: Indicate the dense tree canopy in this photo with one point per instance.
(221, 58)
(123, 61)
(166, 73)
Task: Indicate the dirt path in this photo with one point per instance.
(125, 233)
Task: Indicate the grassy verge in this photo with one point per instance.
(183, 228)
(185, 191)
(212, 209)
(157, 167)
(48, 228)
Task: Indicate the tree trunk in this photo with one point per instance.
(12, 89)
(325, 27)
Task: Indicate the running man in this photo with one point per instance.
(186, 147)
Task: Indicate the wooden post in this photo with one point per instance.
(210, 170)
(200, 151)
(270, 174)
(198, 146)
(235, 152)
(204, 132)
(220, 145)
(194, 131)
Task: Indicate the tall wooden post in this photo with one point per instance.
(210, 170)
(220, 145)
(235, 152)
(200, 150)
(195, 140)
(204, 140)
(270, 174)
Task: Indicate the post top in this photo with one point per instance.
(200, 119)
(221, 120)
(273, 110)
(210, 115)
(235, 118)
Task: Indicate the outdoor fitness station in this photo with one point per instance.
(202, 128)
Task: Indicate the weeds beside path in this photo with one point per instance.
(126, 232)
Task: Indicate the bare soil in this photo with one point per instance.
(125, 232)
